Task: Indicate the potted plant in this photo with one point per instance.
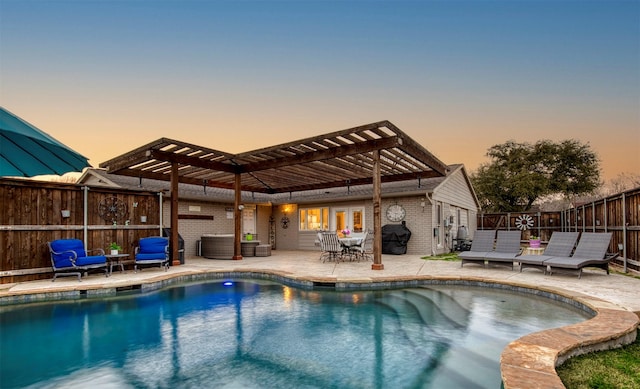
(346, 232)
(114, 247)
(534, 241)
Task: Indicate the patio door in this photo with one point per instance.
(351, 217)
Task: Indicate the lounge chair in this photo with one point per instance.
(561, 244)
(591, 252)
(69, 258)
(481, 244)
(507, 249)
(152, 251)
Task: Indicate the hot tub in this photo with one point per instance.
(217, 246)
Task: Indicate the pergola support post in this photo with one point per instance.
(173, 239)
(377, 214)
(237, 214)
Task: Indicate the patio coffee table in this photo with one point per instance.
(116, 260)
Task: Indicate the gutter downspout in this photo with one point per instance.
(430, 200)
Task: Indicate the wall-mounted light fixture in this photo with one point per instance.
(423, 203)
(597, 222)
(65, 213)
(143, 219)
(241, 207)
(620, 246)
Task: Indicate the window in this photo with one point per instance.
(313, 219)
(352, 217)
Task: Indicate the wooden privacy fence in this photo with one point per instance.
(618, 214)
(33, 213)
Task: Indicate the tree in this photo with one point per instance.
(518, 174)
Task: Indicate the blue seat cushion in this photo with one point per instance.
(150, 256)
(92, 260)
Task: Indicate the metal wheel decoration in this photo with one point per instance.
(111, 209)
(524, 222)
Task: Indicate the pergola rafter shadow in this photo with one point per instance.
(369, 154)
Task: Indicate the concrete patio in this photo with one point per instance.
(528, 362)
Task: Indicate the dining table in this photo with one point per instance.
(348, 243)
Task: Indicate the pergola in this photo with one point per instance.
(368, 154)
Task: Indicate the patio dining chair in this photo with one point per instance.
(363, 250)
(331, 248)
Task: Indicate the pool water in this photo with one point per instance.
(258, 334)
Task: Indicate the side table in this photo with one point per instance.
(533, 251)
(248, 247)
(116, 260)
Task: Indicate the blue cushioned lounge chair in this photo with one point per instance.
(152, 251)
(69, 258)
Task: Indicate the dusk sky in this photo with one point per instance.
(105, 77)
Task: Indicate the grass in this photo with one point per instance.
(614, 369)
(443, 257)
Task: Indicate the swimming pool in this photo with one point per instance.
(260, 334)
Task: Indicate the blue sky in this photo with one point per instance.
(105, 77)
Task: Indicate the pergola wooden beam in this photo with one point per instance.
(322, 155)
(369, 154)
(192, 161)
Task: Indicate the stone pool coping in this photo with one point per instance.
(527, 362)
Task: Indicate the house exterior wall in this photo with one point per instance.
(428, 235)
(418, 220)
(458, 209)
(191, 229)
(288, 238)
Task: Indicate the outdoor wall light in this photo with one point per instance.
(143, 219)
(620, 246)
(422, 203)
(65, 213)
(241, 207)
